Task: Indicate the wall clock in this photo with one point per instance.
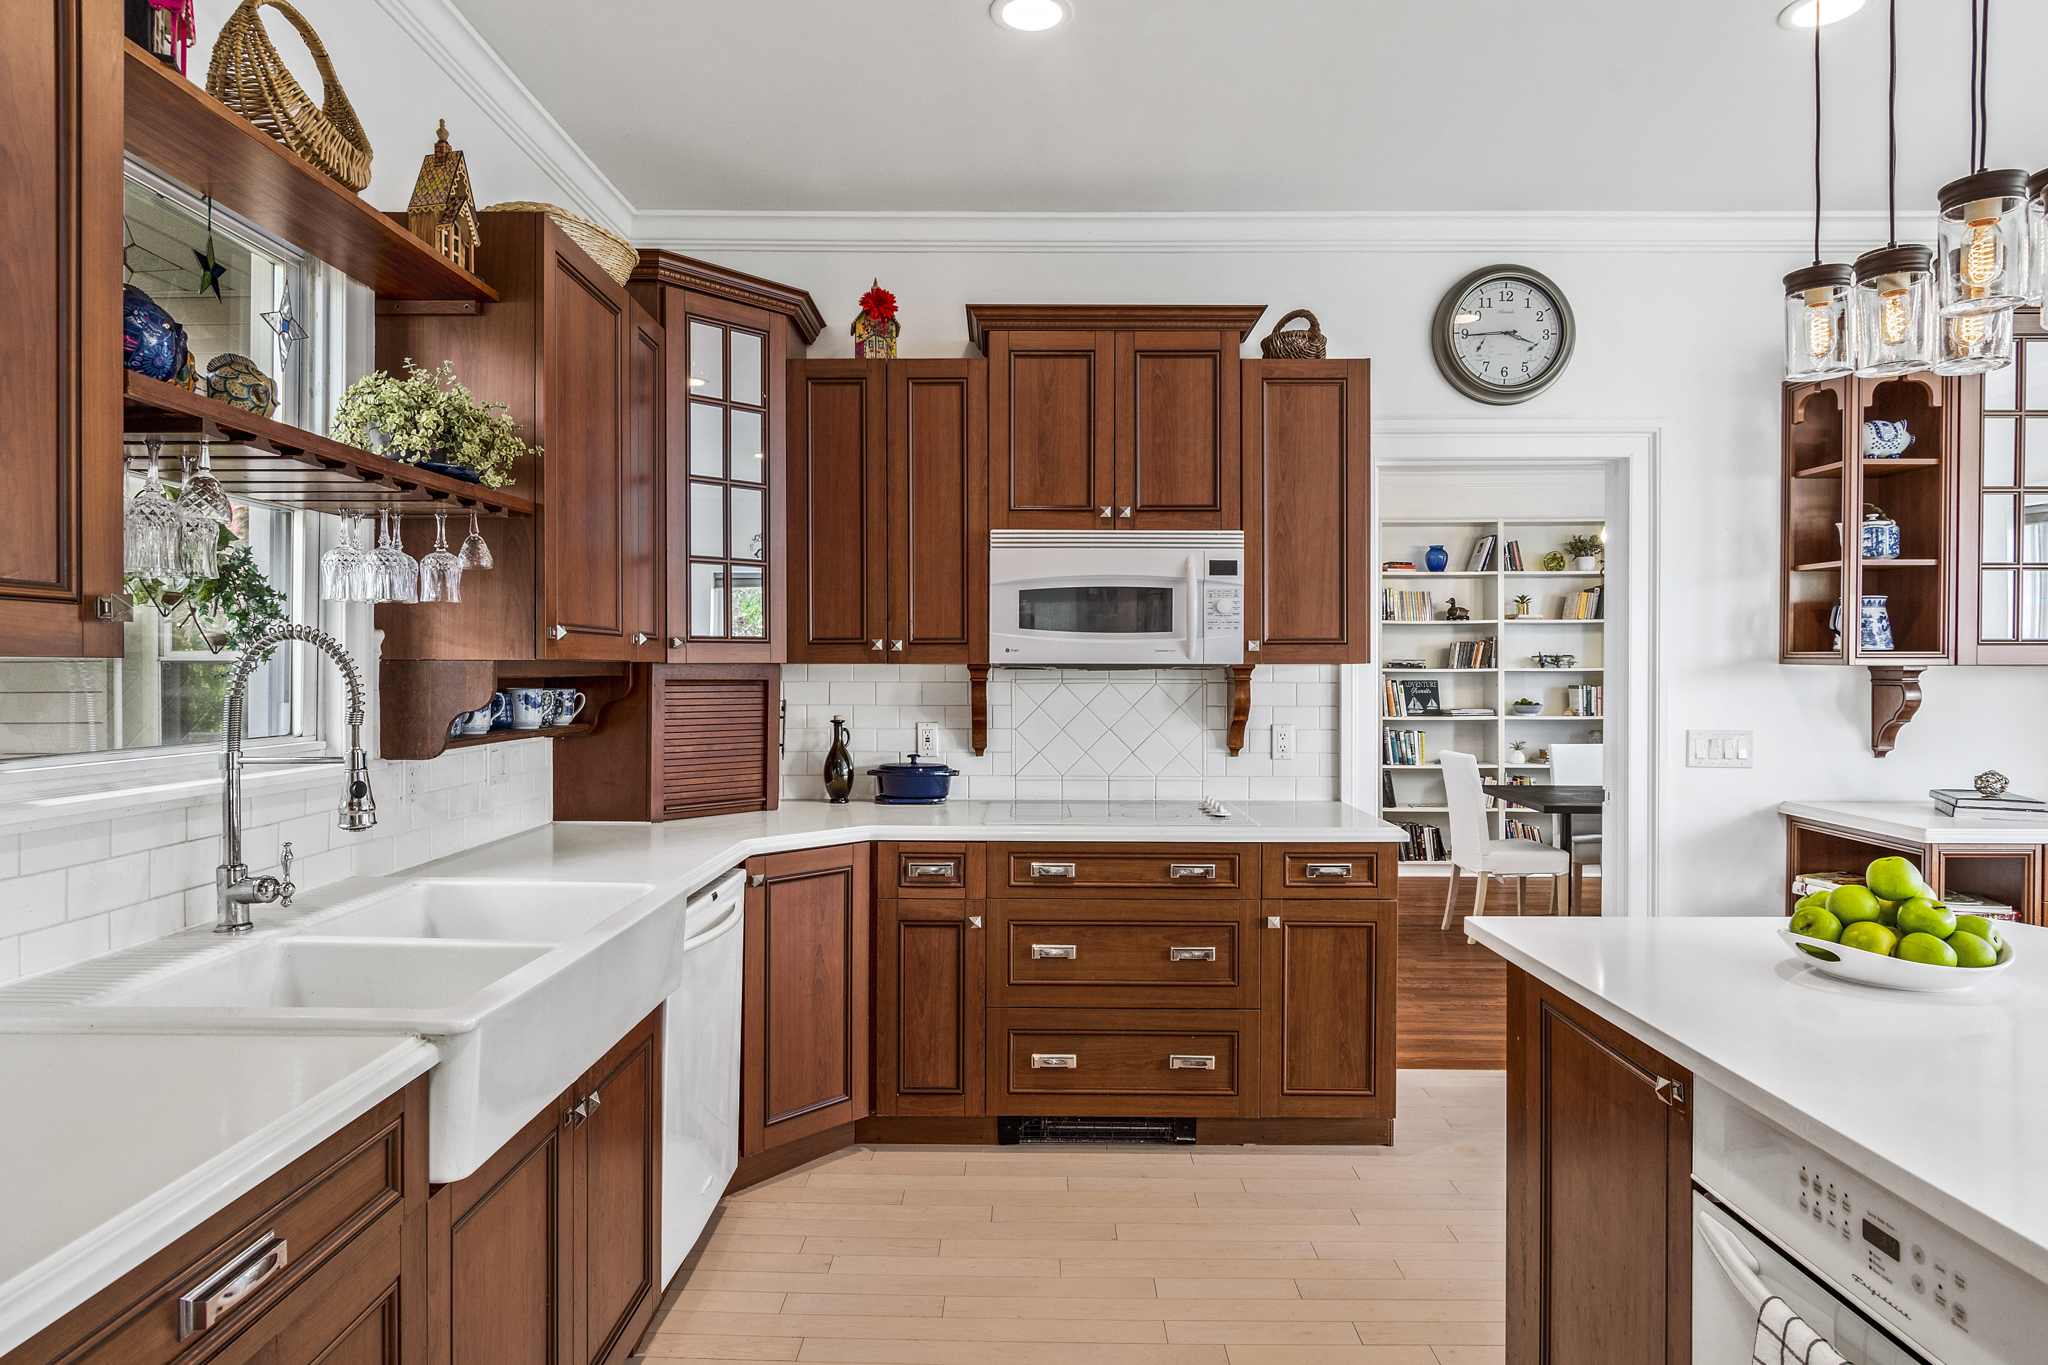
(1503, 334)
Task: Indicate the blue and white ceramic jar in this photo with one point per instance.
(1881, 539)
(1885, 440)
(1876, 625)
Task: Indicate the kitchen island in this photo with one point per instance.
(1657, 1062)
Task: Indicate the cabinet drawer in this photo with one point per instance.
(1202, 871)
(1179, 1063)
(1331, 870)
(927, 870)
(1124, 954)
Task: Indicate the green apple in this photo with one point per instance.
(1986, 929)
(1807, 902)
(1871, 937)
(1852, 904)
(1815, 922)
(1895, 879)
(1926, 948)
(1972, 951)
(1923, 916)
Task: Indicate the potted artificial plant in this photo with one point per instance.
(430, 419)
(1585, 552)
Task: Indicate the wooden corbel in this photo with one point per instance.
(1894, 700)
(977, 698)
(1240, 703)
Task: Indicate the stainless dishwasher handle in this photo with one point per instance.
(929, 870)
(203, 1306)
(1055, 1061)
(1207, 870)
(1052, 869)
(1062, 950)
(1329, 869)
(1191, 954)
(1182, 1062)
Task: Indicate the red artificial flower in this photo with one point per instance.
(878, 303)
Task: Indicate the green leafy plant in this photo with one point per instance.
(430, 415)
(1522, 603)
(1583, 547)
(241, 595)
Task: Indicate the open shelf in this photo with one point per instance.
(500, 736)
(1488, 622)
(273, 462)
(188, 135)
(1868, 565)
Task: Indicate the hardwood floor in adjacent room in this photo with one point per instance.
(1136, 1255)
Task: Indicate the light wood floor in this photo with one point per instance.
(1119, 1256)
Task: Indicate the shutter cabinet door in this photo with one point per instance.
(718, 741)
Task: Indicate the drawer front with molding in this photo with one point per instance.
(1354, 870)
(1123, 954)
(1164, 1063)
(1197, 871)
(929, 871)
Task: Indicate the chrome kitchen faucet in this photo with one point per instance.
(234, 888)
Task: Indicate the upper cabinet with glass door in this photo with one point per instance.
(730, 339)
(2005, 510)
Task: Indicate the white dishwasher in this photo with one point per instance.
(701, 1119)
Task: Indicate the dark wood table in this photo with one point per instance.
(1563, 802)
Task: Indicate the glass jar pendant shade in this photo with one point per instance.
(1983, 243)
(1820, 322)
(1973, 343)
(1895, 319)
(2037, 238)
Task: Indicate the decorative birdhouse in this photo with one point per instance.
(875, 327)
(443, 209)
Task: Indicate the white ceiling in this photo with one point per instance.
(1236, 105)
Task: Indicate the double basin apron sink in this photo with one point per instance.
(519, 984)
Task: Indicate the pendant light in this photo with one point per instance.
(2037, 237)
(1983, 240)
(1894, 284)
(1820, 325)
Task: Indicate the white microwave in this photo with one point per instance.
(1131, 598)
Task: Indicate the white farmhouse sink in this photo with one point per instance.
(523, 912)
(323, 974)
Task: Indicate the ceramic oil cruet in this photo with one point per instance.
(838, 766)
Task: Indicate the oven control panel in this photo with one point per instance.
(1916, 1276)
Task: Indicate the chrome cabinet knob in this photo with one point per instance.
(895, 646)
(641, 637)
(876, 645)
(1127, 512)
(557, 631)
(974, 921)
(1107, 511)
(675, 642)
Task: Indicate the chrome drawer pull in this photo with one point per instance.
(930, 870)
(1066, 950)
(1191, 870)
(1052, 869)
(200, 1308)
(1055, 1061)
(1191, 954)
(1329, 869)
(1178, 1062)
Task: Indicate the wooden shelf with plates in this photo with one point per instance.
(259, 458)
(175, 126)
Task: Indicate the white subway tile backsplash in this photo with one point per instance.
(65, 846)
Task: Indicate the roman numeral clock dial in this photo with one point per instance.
(1502, 335)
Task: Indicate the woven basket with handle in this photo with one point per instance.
(248, 76)
(1296, 345)
(611, 251)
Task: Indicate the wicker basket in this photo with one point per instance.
(248, 76)
(611, 251)
(1309, 345)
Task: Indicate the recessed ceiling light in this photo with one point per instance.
(1031, 16)
(1812, 13)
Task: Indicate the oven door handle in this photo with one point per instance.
(1195, 614)
(1736, 1262)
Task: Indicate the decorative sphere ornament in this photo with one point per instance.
(1991, 784)
(236, 380)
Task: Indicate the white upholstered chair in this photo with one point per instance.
(1580, 765)
(1472, 851)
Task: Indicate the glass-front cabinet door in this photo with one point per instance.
(2006, 510)
(721, 521)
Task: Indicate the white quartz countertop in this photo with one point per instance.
(684, 855)
(1915, 822)
(118, 1144)
(1940, 1097)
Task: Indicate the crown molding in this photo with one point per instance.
(474, 67)
(1844, 236)
(666, 267)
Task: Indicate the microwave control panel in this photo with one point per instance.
(1223, 598)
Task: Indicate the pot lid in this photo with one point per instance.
(928, 769)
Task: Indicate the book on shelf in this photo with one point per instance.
(1406, 663)
(1481, 558)
(1511, 828)
(1582, 699)
(1424, 844)
(1386, 789)
(1399, 605)
(1403, 749)
(1398, 566)
(1471, 711)
(1511, 556)
(1583, 606)
(1471, 654)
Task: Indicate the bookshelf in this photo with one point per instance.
(1418, 790)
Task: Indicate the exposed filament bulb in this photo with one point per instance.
(1968, 332)
(1893, 321)
(1980, 254)
(1820, 331)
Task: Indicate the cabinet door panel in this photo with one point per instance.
(1307, 482)
(618, 1149)
(1052, 429)
(930, 994)
(1327, 1009)
(640, 523)
(498, 1263)
(1599, 1190)
(806, 996)
(345, 1313)
(938, 511)
(1177, 432)
(587, 484)
(838, 490)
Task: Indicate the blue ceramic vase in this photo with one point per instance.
(1437, 559)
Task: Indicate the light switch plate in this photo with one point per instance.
(1283, 741)
(927, 739)
(1720, 748)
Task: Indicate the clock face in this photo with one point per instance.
(1503, 335)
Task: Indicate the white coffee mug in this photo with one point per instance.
(568, 705)
(532, 707)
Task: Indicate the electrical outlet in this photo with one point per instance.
(501, 763)
(1283, 741)
(1719, 748)
(927, 739)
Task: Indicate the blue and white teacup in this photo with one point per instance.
(482, 720)
(501, 711)
(568, 705)
(532, 707)
(1885, 440)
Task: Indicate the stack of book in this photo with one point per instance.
(1967, 803)
(1583, 606)
(1470, 654)
(1471, 711)
(1406, 606)
(1403, 749)
(1425, 844)
(1582, 700)
(1406, 663)
(1398, 566)
(1481, 558)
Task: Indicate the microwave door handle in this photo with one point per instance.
(1736, 1262)
(1194, 614)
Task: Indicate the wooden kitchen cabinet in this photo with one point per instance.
(1107, 417)
(1599, 1190)
(889, 538)
(804, 1018)
(685, 740)
(1308, 511)
(1326, 1025)
(550, 1251)
(60, 523)
(352, 1217)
